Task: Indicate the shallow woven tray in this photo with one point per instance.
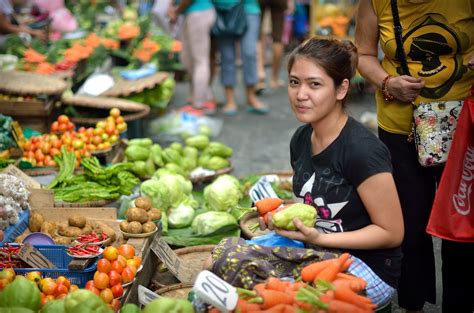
(246, 221)
(24, 83)
(98, 203)
(179, 291)
(192, 257)
(130, 110)
(127, 87)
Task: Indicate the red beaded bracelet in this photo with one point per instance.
(385, 93)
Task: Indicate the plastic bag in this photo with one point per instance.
(274, 240)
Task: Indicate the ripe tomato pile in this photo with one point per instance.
(118, 266)
(40, 150)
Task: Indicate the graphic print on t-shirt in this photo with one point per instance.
(326, 211)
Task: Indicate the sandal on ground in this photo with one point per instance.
(260, 86)
(260, 110)
(229, 111)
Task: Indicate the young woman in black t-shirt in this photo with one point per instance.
(342, 169)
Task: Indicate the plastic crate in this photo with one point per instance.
(13, 231)
(58, 256)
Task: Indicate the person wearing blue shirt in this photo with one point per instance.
(199, 17)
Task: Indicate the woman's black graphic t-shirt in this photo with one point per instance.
(329, 180)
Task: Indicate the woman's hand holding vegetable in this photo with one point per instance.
(303, 233)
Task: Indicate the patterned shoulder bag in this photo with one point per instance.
(434, 123)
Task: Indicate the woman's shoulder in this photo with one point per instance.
(360, 141)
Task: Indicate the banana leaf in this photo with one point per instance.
(184, 237)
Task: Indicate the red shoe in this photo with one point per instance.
(191, 110)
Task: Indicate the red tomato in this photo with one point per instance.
(114, 277)
(107, 295)
(63, 119)
(101, 280)
(103, 266)
(55, 127)
(117, 290)
(127, 250)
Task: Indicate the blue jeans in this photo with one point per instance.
(248, 53)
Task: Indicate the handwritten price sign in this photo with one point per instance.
(215, 291)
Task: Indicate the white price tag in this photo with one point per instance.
(145, 295)
(215, 291)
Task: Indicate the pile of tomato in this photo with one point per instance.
(117, 267)
(41, 150)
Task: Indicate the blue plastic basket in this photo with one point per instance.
(13, 231)
(58, 256)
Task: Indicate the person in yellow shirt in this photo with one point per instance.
(438, 40)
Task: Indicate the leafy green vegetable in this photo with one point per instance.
(223, 193)
(185, 237)
(210, 222)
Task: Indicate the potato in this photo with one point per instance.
(143, 203)
(87, 229)
(148, 227)
(124, 226)
(62, 240)
(35, 221)
(104, 228)
(154, 214)
(49, 228)
(20, 238)
(137, 215)
(134, 228)
(77, 221)
(70, 231)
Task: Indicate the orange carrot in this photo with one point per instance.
(330, 272)
(270, 298)
(274, 283)
(296, 286)
(267, 205)
(327, 297)
(243, 306)
(309, 272)
(356, 280)
(354, 285)
(279, 308)
(346, 265)
(338, 306)
(347, 295)
(259, 287)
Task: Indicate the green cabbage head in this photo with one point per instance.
(223, 194)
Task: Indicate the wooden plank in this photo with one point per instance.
(54, 214)
(149, 261)
(41, 199)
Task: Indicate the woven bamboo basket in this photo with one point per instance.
(248, 220)
(179, 291)
(192, 257)
(24, 83)
(130, 110)
(124, 88)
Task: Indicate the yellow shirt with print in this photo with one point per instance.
(438, 38)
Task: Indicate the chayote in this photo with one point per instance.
(169, 305)
(199, 142)
(284, 218)
(219, 149)
(142, 142)
(155, 153)
(216, 163)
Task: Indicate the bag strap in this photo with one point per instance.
(397, 27)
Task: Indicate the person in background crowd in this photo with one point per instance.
(248, 52)
(439, 43)
(278, 10)
(199, 17)
(8, 24)
(342, 169)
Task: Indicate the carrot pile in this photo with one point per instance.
(324, 288)
(265, 208)
(145, 50)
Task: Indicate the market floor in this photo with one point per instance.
(261, 142)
